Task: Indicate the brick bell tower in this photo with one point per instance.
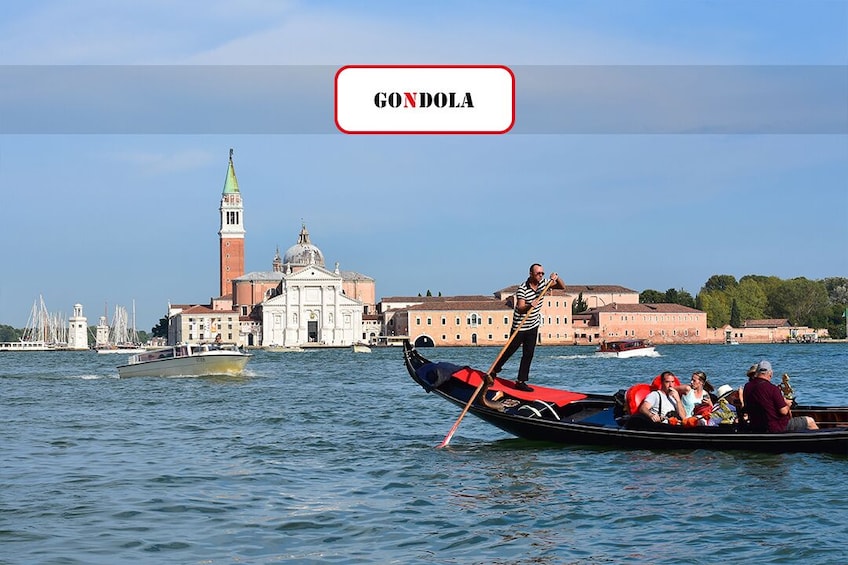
(231, 234)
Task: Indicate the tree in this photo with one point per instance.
(750, 299)
(719, 282)
(735, 320)
(651, 296)
(801, 300)
(717, 306)
(837, 290)
(160, 329)
(8, 333)
(836, 323)
(681, 297)
(579, 305)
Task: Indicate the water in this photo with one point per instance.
(328, 457)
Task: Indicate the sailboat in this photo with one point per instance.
(44, 331)
(119, 337)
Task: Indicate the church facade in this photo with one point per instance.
(299, 302)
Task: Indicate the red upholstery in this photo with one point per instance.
(656, 384)
(635, 395)
(559, 397)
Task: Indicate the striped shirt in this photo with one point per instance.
(534, 317)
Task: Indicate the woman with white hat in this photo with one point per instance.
(724, 411)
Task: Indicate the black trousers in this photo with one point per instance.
(526, 340)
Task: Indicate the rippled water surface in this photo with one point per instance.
(328, 457)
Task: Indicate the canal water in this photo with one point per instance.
(327, 456)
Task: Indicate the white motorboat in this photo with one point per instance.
(360, 347)
(627, 348)
(186, 360)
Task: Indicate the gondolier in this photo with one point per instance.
(528, 304)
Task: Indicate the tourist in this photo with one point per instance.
(726, 408)
(695, 393)
(528, 302)
(751, 372)
(768, 410)
(663, 405)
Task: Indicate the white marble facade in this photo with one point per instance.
(309, 307)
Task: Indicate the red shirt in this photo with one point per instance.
(763, 402)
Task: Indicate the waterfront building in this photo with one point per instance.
(658, 323)
(298, 302)
(470, 320)
(198, 323)
(772, 330)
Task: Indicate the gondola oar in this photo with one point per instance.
(492, 368)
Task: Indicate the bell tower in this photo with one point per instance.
(231, 234)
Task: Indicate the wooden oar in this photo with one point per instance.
(492, 368)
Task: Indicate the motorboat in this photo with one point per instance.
(627, 348)
(186, 360)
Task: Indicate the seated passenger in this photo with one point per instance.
(695, 393)
(662, 404)
(726, 408)
(768, 410)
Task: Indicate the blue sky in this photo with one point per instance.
(608, 176)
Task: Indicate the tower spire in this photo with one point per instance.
(232, 231)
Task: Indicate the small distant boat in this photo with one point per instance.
(732, 342)
(186, 360)
(361, 348)
(122, 349)
(282, 348)
(627, 348)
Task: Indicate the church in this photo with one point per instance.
(299, 302)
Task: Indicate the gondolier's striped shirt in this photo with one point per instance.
(534, 317)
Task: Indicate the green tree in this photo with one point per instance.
(836, 323)
(720, 283)
(682, 297)
(837, 290)
(579, 305)
(735, 319)
(160, 329)
(717, 306)
(8, 333)
(801, 300)
(651, 296)
(750, 299)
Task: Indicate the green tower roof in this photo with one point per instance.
(231, 184)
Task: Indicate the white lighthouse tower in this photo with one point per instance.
(78, 330)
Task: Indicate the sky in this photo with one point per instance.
(656, 143)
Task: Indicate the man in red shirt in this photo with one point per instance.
(768, 410)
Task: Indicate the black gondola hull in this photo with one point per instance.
(598, 420)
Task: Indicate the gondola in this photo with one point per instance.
(574, 418)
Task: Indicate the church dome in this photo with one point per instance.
(303, 253)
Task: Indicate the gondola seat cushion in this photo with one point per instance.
(635, 395)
